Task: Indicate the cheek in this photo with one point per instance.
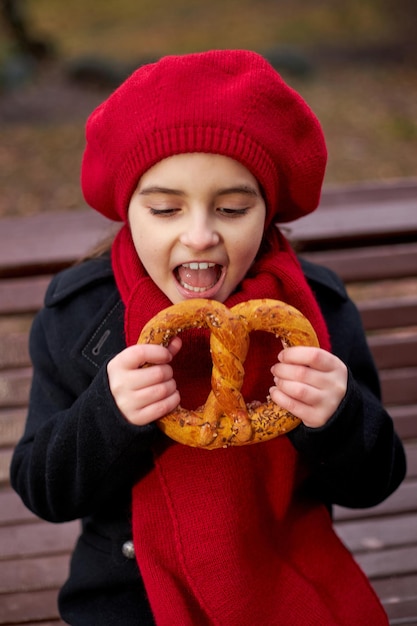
(144, 246)
(253, 243)
(137, 241)
(245, 254)
(154, 256)
(144, 237)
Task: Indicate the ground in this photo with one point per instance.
(360, 82)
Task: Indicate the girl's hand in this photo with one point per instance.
(310, 383)
(144, 394)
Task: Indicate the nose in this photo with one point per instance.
(200, 233)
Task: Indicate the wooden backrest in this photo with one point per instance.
(368, 235)
(379, 267)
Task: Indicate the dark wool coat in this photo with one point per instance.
(79, 458)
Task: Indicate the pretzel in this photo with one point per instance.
(225, 419)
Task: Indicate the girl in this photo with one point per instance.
(200, 156)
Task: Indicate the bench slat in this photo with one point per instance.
(14, 350)
(14, 387)
(403, 613)
(399, 597)
(402, 501)
(375, 534)
(411, 454)
(12, 423)
(58, 242)
(12, 510)
(390, 351)
(390, 590)
(22, 295)
(351, 217)
(5, 460)
(72, 233)
(55, 622)
(397, 350)
(399, 386)
(28, 540)
(383, 563)
(389, 312)
(17, 608)
(405, 420)
(366, 264)
(33, 574)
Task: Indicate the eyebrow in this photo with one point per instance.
(238, 189)
(147, 191)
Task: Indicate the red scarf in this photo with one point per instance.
(223, 537)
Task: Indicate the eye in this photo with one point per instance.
(228, 212)
(163, 212)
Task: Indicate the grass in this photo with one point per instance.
(367, 109)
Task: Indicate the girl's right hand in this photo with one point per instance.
(144, 394)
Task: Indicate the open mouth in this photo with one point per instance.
(198, 277)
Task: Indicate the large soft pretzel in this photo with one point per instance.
(225, 419)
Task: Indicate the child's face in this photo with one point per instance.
(197, 222)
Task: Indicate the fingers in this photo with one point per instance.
(315, 358)
(144, 408)
(175, 346)
(144, 394)
(143, 354)
(310, 383)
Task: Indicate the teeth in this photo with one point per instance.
(195, 265)
(198, 266)
(195, 289)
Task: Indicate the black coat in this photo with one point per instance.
(79, 458)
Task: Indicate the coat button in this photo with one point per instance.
(128, 550)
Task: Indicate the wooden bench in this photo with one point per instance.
(368, 234)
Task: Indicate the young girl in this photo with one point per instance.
(200, 156)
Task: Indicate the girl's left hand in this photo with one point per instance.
(310, 383)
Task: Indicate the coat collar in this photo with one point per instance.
(102, 333)
(87, 296)
(104, 337)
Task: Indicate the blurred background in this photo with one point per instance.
(355, 62)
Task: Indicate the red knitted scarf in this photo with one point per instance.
(224, 537)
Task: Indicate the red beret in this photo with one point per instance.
(229, 102)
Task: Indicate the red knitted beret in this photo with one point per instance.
(229, 102)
